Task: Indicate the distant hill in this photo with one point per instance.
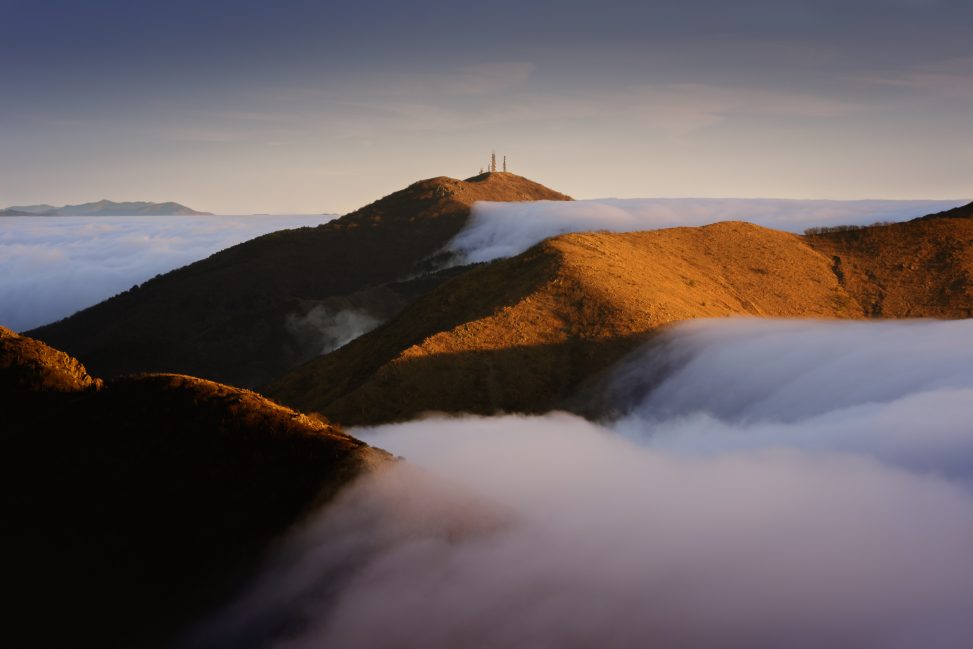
(29, 210)
(230, 317)
(103, 208)
(152, 497)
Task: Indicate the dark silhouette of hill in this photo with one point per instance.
(961, 212)
(918, 268)
(104, 208)
(132, 507)
(523, 334)
(226, 317)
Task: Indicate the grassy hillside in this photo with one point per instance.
(522, 334)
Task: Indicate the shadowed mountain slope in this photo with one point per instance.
(130, 508)
(919, 268)
(226, 317)
(522, 334)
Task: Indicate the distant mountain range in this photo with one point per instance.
(103, 208)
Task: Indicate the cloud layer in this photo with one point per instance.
(798, 484)
(506, 229)
(51, 267)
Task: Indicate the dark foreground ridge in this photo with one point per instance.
(226, 317)
(134, 506)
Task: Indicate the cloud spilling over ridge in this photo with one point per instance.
(507, 229)
(51, 267)
(330, 329)
(735, 516)
(897, 391)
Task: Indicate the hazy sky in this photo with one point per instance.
(294, 105)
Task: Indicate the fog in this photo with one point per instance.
(763, 484)
(328, 329)
(507, 229)
(51, 267)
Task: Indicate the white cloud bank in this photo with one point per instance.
(51, 267)
(789, 484)
(506, 229)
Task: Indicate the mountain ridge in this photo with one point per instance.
(522, 334)
(226, 317)
(470, 347)
(105, 207)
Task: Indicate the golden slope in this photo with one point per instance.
(920, 268)
(521, 334)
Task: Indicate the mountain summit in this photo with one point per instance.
(247, 314)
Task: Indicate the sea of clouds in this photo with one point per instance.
(764, 484)
(507, 229)
(51, 267)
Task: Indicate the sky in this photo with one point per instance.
(298, 106)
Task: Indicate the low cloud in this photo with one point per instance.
(506, 229)
(825, 502)
(328, 329)
(51, 267)
(898, 392)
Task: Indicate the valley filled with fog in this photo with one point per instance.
(794, 483)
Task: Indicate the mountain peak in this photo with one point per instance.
(442, 196)
(355, 260)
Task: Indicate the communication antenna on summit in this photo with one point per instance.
(493, 162)
(505, 163)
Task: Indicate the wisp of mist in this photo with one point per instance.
(52, 266)
(763, 484)
(506, 229)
